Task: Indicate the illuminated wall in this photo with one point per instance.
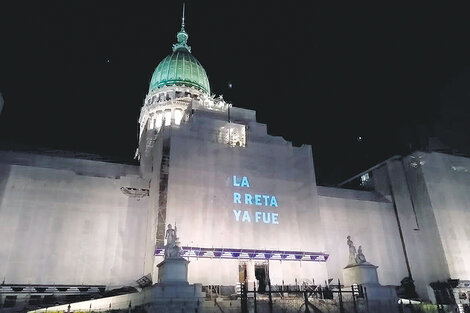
(262, 196)
(447, 180)
(423, 246)
(66, 221)
(431, 193)
(440, 186)
(369, 218)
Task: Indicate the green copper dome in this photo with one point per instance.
(180, 68)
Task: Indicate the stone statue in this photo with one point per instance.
(170, 235)
(352, 252)
(172, 247)
(360, 258)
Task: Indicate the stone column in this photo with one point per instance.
(250, 275)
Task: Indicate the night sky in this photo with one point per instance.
(359, 82)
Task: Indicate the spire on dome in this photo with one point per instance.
(182, 36)
(182, 20)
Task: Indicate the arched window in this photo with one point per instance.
(167, 117)
(178, 116)
(158, 120)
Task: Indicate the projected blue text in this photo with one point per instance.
(250, 199)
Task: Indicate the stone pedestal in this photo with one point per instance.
(173, 271)
(380, 298)
(364, 273)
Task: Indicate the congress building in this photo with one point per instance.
(245, 204)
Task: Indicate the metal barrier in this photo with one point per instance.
(305, 292)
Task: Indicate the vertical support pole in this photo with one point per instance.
(241, 298)
(254, 296)
(340, 297)
(244, 298)
(270, 296)
(163, 187)
(389, 181)
(354, 298)
(307, 310)
(367, 299)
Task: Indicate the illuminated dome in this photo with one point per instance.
(180, 68)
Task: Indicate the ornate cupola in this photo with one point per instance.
(178, 86)
(176, 82)
(180, 68)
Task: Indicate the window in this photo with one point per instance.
(367, 181)
(10, 301)
(158, 120)
(167, 117)
(34, 300)
(233, 135)
(365, 178)
(178, 116)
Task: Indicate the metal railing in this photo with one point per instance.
(305, 292)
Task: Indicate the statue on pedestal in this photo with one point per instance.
(172, 247)
(360, 258)
(358, 270)
(174, 268)
(355, 257)
(352, 251)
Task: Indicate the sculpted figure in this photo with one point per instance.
(170, 235)
(172, 248)
(352, 251)
(360, 258)
(177, 249)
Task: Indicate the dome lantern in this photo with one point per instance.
(182, 37)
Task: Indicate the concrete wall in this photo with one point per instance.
(370, 220)
(431, 194)
(66, 221)
(447, 180)
(201, 201)
(403, 185)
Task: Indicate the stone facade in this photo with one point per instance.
(246, 204)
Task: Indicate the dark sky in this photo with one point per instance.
(74, 73)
